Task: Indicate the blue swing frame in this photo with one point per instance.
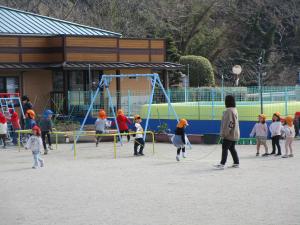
(105, 82)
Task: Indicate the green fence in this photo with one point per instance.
(195, 103)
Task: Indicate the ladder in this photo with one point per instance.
(10, 101)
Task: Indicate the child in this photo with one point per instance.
(30, 119)
(35, 144)
(276, 129)
(139, 141)
(260, 130)
(26, 104)
(3, 129)
(46, 127)
(100, 124)
(230, 132)
(15, 122)
(123, 122)
(179, 138)
(289, 131)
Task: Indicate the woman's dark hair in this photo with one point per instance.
(229, 101)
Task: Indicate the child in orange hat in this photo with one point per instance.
(260, 131)
(138, 141)
(123, 122)
(179, 138)
(101, 123)
(289, 131)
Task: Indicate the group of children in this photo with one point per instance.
(102, 123)
(229, 132)
(279, 130)
(37, 141)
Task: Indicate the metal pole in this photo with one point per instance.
(86, 115)
(113, 110)
(153, 82)
(222, 94)
(169, 104)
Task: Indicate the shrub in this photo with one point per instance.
(201, 71)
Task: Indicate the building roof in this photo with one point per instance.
(17, 22)
(97, 66)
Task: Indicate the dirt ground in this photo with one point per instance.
(96, 189)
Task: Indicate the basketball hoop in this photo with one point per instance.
(236, 70)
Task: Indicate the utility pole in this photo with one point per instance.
(260, 81)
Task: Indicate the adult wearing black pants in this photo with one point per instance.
(230, 133)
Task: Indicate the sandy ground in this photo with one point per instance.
(96, 189)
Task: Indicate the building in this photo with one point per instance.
(45, 58)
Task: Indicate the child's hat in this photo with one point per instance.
(120, 112)
(102, 114)
(37, 129)
(182, 123)
(137, 117)
(31, 113)
(47, 113)
(263, 116)
(289, 121)
(277, 114)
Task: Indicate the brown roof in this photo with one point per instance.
(85, 65)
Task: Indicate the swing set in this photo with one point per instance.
(105, 82)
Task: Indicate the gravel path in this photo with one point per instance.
(95, 189)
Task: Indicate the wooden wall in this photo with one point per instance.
(25, 49)
(31, 49)
(94, 49)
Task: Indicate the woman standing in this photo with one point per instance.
(230, 132)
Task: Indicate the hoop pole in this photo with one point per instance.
(115, 147)
(153, 82)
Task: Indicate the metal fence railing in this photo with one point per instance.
(194, 103)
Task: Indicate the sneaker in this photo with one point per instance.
(265, 154)
(46, 152)
(183, 155)
(235, 165)
(34, 167)
(291, 155)
(257, 154)
(141, 154)
(272, 153)
(285, 156)
(278, 154)
(50, 147)
(219, 166)
(177, 158)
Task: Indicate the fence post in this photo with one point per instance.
(286, 98)
(213, 104)
(129, 103)
(169, 95)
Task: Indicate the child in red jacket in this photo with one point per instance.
(15, 122)
(123, 122)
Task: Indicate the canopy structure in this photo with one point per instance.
(105, 83)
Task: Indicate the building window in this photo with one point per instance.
(9, 85)
(58, 81)
(76, 81)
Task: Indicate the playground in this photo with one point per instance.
(154, 189)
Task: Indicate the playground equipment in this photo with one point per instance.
(8, 101)
(74, 134)
(105, 83)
